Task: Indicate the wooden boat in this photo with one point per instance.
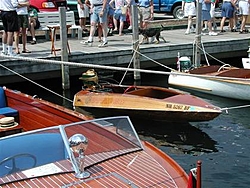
(144, 101)
(58, 147)
(224, 81)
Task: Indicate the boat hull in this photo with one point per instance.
(165, 116)
(176, 108)
(220, 86)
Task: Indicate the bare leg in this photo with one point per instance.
(243, 23)
(115, 24)
(92, 31)
(121, 27)
(32, 30)
(4, 42)
(24, 38)
(189, 23)
(16, 35)
(104, 31)
(222, 23)
(10, 36)
(100, 32)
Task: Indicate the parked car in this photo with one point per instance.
(171, 7)
(47, 5)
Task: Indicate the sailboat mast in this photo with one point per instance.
(197, 54)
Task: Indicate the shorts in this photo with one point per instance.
(95, 16)
(10, 21)
(119, 16)
(227, 10)
(205, 15)
(244, 8)
(189, 9)
(144, 13)
(83, 13)
(23, 21)
(110, 11)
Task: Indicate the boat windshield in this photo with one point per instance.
(58, 149)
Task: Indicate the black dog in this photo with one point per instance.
(151, 32)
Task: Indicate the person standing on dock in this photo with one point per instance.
(83, 12)
(118, 14)
(228, 8)
(206, 16)
(129, 4)
(23, 22)
(188, 6)
(244, 11)
(99, 14)
(146, 12)
(10, 25)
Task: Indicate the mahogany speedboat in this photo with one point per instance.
(58, 147)
(151, 102)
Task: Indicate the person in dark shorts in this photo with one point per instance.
(10, 25)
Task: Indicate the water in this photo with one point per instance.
(221, 144)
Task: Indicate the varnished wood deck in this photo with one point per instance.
(123, 171)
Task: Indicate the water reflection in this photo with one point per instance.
(184, 137)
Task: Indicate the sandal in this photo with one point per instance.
(222, 31)
(26, 51)
(233, 30)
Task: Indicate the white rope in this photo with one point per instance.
(129, 63)
(234, 107)
(205, 53)
(117, 68)
(87, 65)
(174, 72)
(35, 83)
(211, 56)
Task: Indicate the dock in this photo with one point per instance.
(119, 53)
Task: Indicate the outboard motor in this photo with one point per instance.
(89, 79)
(185, 64)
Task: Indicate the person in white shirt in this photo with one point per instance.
(10, 25)
(99, 14)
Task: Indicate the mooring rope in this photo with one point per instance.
(107, 67)
(234, 107)
(131, 60)
(35, 83)
(117, 69)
